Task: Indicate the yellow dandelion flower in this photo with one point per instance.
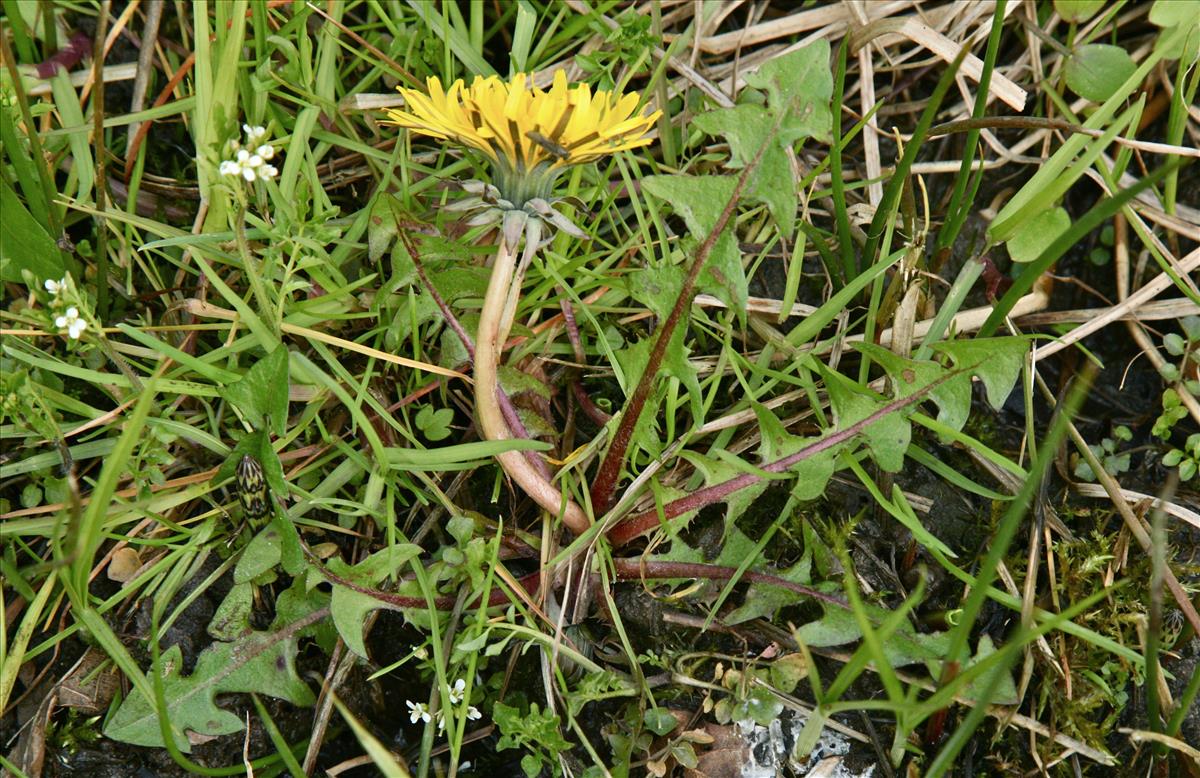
(526, 131)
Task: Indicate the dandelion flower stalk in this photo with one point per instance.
(529, 137)
(489, 344)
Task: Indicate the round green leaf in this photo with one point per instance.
(659, 721)
(787, 671)
(1097, 70)
(1037, 235)
(1172, 13)
(1174, 344)
(1077, 10)
(435, 423)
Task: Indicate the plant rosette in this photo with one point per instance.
(529, 137)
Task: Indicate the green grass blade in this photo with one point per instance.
(1011, 521)
(381, 757)
(960, 202)
(891, 194)
(457, 41)
(15, 651)
(1006, 222)
(91, 529)
(1099, 213)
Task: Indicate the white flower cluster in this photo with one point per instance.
(251, 165)
(419, 711)
(70, 322)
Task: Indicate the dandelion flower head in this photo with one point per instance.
(525, 130)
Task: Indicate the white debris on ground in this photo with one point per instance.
(770, 750)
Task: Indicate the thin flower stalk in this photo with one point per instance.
(488, 347)
(506, 407)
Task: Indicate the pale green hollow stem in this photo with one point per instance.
(499, 307)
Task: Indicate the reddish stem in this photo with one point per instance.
(588, 407)
(648, 520)
(163, 96)
(935, 729)
(444, 603)
(632, 569)
(637, 568)
(604, 487)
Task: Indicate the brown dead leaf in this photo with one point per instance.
(196, 739)
(324, 550)
(87, 688)
(124, 565)
(727, 755)
(29, 754)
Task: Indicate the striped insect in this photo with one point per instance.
(554, 149)
(253, 490)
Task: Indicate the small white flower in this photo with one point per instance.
(71, 322)
(473, 713)
(267, 171)
(230, 168)
(417, 711)
(56, 287)
(266, 151)
(254, 134)
(441, 722)
(420, 653)
(249, 174)
(457, 690)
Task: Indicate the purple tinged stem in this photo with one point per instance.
(589, 408)
(648, 520)
(604, 487)
(626, 570)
